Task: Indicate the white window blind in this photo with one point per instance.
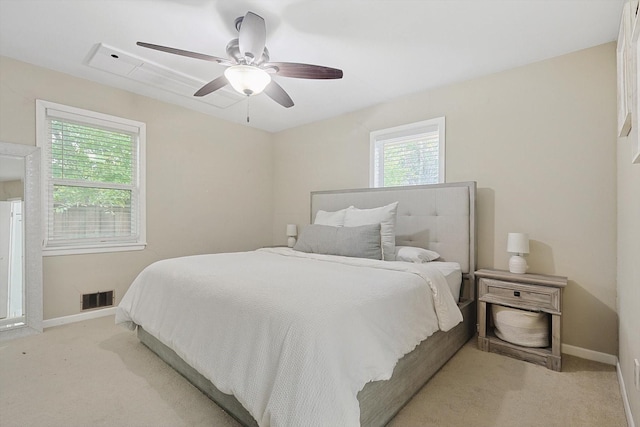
(93, 180)
(408, 155)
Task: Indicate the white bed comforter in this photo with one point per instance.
(293, 336)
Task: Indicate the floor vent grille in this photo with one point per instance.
(97, 300)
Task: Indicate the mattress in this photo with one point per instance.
(293, 336)
(452, 274)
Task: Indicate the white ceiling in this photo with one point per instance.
(386, 48)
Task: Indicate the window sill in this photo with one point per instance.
(79, 250)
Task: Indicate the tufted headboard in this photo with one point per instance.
(439, 217)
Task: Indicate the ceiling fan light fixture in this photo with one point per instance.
(246, 79)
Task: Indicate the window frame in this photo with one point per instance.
(408, 131)
(90, 118)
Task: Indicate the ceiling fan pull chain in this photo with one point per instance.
(248, 108)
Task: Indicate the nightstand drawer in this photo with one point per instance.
(530, 297)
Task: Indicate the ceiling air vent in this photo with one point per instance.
(124, 64)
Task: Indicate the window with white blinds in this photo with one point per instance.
(93, 180)
(412, 154)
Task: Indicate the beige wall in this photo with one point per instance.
(539, 140)
(629, 265)
(11, 190)
(209, 182)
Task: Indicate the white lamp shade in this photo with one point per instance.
(518, 243)
(292, 230)
(247, 79)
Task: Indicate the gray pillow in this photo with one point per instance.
(361, 242)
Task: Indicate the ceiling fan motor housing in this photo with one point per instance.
(233, 51)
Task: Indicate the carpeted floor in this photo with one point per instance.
(94, 373)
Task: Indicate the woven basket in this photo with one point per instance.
(521, 327)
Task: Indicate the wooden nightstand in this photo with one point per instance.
(532, 292)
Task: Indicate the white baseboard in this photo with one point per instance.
(625, 398)
(94, 314)
(584, 353)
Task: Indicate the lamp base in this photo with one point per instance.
(291, 241)
(517, 264)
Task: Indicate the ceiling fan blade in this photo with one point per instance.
(212, 86)
(252, 36)
(275, 92)
(185, 53)
(304, 71)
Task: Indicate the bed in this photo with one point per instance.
(338, 339)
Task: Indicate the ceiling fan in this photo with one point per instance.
(249, 69)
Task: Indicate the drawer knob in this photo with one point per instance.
(516, 293)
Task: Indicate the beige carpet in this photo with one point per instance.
(93, 373)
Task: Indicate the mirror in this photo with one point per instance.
(20, 246)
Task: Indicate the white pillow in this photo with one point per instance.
(413, 254)
(334, 219)
(385, 216)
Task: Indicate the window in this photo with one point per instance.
(93, 180)
(412, 154)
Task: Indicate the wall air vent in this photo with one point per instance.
(124, 64)
(97, 300)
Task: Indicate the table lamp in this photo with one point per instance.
(518, 244)
(292, 232)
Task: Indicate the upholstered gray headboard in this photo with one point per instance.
(439, 217)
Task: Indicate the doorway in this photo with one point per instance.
(11, 262)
